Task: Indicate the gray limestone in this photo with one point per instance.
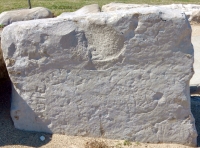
(192, 11)
(88, 9)
(9, 17)
(120, 75)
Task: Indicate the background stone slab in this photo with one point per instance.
(9, 17)
(94, 8)
(191, 10)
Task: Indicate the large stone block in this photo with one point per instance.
(9, 17)
(120, 75)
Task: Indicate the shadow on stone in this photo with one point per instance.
(9, 135)
(195, 108)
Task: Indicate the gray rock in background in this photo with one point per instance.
(94, 8)
(191, 10)
(120, 75)
(121, 6)
(9, 17)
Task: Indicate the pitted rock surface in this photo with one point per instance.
(9, 17)
(120, 75)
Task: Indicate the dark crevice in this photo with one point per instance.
(195, 108)
(9, 135)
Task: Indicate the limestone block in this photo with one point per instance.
(120, 75)
(9, 17)
(94, 8)
(195, 16)
(191, 10)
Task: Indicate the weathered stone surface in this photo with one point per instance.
(94, 8)
(9, 17)
(3, 71)
(122, 75)
(195, 16)
(191, 10)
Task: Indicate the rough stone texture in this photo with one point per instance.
(191, 10)
(195, 16)
(3, 71)
(94, 8)
(120, 75)
(9, 17)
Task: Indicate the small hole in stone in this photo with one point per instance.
(16, 117)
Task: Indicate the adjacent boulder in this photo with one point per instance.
(121, 6)
(120, 75)
(94, 8)
(195, 16)
(191, 10)
(9, 17)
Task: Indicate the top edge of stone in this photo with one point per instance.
(147, 5)
(23, 9)
(165, 13)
